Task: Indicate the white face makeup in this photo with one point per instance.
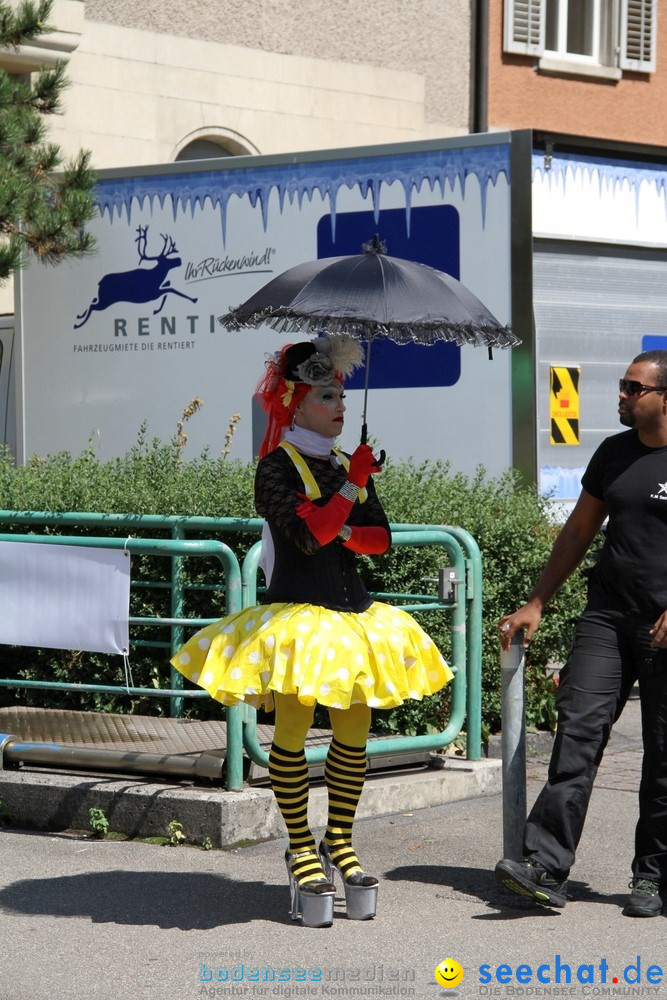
(322, 410)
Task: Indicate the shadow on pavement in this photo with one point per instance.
(201, 901)
(187, 900)
(480, 883)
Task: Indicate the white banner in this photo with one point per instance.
(64, 597)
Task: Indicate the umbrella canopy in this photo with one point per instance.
(369, 295)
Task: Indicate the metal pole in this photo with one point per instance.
(513, 720)
(474, 578)
(364, 425)
(235, 714)
(51, 754)
(177, 631)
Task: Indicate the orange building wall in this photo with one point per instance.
(633, 109)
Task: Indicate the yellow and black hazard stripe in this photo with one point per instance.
(564, 405)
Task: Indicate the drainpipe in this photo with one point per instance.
(479, 66)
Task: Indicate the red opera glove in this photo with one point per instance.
(324, 523)
(307, 507)
(369, 540)
(363, 464)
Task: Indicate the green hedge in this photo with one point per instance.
(510, 523)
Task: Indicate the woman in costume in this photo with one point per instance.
(317, 637)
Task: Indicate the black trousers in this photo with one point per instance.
(609, 653)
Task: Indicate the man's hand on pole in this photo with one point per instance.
(527, 618)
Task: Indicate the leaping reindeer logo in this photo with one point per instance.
(143, 284)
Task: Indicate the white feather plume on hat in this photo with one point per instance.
(344, 351)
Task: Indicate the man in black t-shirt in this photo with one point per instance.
(620, 638)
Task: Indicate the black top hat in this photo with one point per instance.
(294, 356)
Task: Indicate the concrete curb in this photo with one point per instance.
(536, 744)
(49, 800)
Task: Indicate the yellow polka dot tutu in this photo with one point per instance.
(379, 657)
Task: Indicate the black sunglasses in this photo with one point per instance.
(632, 388)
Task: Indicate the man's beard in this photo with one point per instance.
(627, 418)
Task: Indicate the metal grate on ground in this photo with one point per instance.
(156, 735)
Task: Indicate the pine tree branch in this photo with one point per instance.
(28, 20)
(46, 92)
(42, 213)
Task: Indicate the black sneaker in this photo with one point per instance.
(644, 899)
(529, 878)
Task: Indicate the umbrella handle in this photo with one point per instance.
(364, 440)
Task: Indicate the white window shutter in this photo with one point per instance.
(639, 23)
(525, 27)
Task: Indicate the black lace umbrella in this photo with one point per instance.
(371, 295)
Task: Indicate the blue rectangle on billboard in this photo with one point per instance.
(654, 342)
(434, 240)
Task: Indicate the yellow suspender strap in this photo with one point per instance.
(311, 488)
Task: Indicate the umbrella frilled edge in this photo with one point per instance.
(477, 335)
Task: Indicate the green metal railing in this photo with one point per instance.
(170, 548)
(473, 596)
(465, 560)
(466, 685)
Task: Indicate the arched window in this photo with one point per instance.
(213, 143)
(202, 149)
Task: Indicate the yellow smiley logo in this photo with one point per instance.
(449, 973)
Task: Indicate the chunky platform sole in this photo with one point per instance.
(360, 900)
(314, 909)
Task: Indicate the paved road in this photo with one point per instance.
(119, 920)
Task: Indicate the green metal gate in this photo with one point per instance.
(464, 606)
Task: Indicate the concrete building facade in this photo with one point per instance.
(153, 82)
(256, 75)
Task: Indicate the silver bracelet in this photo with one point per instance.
(345, 533)
(349, 491)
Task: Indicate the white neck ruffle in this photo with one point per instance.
(310, 442)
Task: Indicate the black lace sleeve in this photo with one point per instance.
(277, 484)
(277, 488)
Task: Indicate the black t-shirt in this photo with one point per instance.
(631, 479)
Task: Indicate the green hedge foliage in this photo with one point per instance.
(510, 522)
